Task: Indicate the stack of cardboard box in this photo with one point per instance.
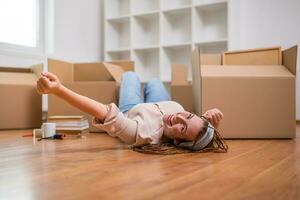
(181, 90)
(20, 104)
(255, 90)
(99, 81)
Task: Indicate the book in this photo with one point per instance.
(69, 122)
(73, 118)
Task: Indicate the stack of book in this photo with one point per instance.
(70, 124)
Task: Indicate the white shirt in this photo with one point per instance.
(141, 125)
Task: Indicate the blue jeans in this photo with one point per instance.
(131, 92)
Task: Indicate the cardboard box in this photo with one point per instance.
(20, 104)
(258, 101)
(99, 81)
(181, 90)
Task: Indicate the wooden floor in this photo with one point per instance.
(101, 167)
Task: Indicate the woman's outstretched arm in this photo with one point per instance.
(49, 83)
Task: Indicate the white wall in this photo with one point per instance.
(263, 23)
(77, 30)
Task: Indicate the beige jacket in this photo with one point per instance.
(141, 125)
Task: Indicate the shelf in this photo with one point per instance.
(146, 13)
(213, 47)
(146, 47)
(199, 3)
(118, 50)
(210, 22)
(116, 8)
(177, 45)
(175, 11)
(176, 26)
(118, 34)
(175, 55)
(221, 40)
(119, 18)
(142, 6)
(171, 4)
(147, 63)
(145, 30)
(121, 55)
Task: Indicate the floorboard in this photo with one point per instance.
(101, 167)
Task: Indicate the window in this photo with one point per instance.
(20, 26)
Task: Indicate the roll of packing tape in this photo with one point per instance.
(37, 133)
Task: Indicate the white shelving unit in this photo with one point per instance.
(118, 34)
(173, 4)
(143, 6)
(146, 62)
(180, 54)
(176, 26)
(159, 33)
(146, 30)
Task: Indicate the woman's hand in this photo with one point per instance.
(214, 116)
(48, 83)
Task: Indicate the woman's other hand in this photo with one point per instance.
(214, 116)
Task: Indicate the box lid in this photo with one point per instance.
(97, 72)
(289, 59)
(17, 76)
(261, 56)
(245, 71)
(127, 65)
(94, 71)
(91, 72)
(63, 70)
(115, 71)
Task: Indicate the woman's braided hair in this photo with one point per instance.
(217, 144)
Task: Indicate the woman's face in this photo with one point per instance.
(182, 126)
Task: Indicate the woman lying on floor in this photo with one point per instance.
(150, 123)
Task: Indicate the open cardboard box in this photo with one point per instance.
(255, 94)
(20, 104)
(181, 90)
(99, 81)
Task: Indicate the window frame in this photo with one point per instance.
(37, 52)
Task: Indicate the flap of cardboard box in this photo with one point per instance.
(98, 71)
(245, 71)
(15, 69)
(20, 76)
(261, 56)
(289, 59)
(211, 59)
(179, 74)
(92, 72)
(115, 71)
(63, 70)
(37, 69)
(127, 65)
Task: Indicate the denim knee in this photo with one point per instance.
(130, 75)
(153, 81)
